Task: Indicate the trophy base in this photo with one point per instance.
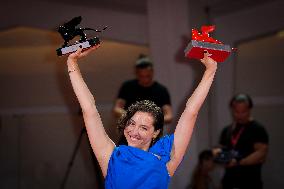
(72, 48)
(195, 49)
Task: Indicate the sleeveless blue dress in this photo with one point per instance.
(133, 168)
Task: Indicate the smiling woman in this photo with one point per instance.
(146, 161)
(146, 116)
(144, 126)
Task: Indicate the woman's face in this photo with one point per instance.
(140, 130)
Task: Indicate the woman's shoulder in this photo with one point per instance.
(163, 147)
(165, 140)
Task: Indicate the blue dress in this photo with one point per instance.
(133, 168)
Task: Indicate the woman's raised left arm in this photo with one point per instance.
(184, 128)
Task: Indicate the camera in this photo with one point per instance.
(224, 156)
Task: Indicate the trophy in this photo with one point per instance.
(69, 30)
(202, 42)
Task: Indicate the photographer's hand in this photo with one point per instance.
(232, 163)
(216, 151)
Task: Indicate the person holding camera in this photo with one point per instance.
(245, 146)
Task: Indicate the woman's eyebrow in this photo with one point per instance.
(131, 120)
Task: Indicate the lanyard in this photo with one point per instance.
(235, 138)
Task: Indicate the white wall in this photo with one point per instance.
(123, 26)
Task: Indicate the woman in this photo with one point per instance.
(143, 163)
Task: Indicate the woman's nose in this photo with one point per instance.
(135, 130)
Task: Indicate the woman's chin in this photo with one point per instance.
(133, 144)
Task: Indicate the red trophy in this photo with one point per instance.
(203, 42)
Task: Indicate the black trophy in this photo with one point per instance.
(69, 30)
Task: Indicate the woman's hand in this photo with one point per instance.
(80, 53)
(208, 62)
(72, 58)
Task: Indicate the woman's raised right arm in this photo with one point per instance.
(101, 144)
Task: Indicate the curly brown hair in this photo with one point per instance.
(141, 106)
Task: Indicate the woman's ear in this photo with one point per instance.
(156, 133)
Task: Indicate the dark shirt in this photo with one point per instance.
(243, 176)
(131, 92)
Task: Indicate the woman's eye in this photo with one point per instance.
(144, 128)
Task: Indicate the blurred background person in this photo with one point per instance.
(245, 142)
(143, 87)
(201, 178)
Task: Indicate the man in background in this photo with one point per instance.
(143, 87)
(249, 141)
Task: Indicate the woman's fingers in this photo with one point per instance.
(80, 53)
(206, 56)
(76, 54)
(207, 60)
(86, 52)
(206, 53)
